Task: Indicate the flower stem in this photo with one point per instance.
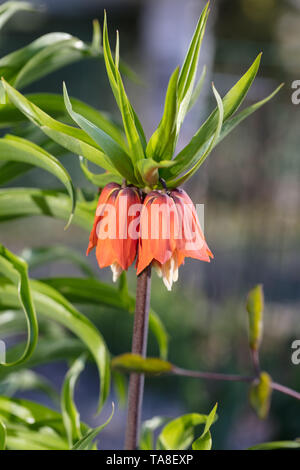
(139, 346)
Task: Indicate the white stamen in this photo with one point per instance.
(116, 270)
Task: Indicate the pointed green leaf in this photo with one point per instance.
(118, 157)
(232, 123)
(255, 308)
(148, 169)
(85, 442)
(233, 99)
(190, 173)
(178, 434)
(22, 151)
(162, 143)
(54, 105)
(135, 363)
(260, 395)
(188, 72)
(198, 89)
(70, 414)
(203, 442)
(73, 139)
(99, 179)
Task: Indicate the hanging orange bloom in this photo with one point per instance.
(114, 219)
(169, 232)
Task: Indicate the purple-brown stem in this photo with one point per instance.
(139, 346)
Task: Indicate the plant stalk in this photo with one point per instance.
(139, 346)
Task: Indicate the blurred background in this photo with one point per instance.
(249, 185)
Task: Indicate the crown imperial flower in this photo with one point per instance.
(169, 232)
(115, 246)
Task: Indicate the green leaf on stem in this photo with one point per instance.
(22, 151)
(178, 434)
(260, 395)
(99, 179)
(189, 156)
(255, 308)
(204, 442)
(112, 149)
(209, 148)
(75, 140)
(148, 169)
(162, 143)
(136, 363)
(86, 441)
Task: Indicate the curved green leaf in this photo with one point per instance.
(20, 150)
(53, 305)
(204, 442)
(75, 140)
(202, 157)
(53, 105)
(231, 102)
(71, 416)
(21, 202)
(85, 442)
(15, 269)
(276, 445)
(8, 9)
(178, 434)
(118, 156)
(100, 179)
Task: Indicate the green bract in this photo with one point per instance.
(124, 153)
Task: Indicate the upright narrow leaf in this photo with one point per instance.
(255, 308)
(70, 414)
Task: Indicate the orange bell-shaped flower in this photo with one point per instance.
(169, 232)
(115, 229)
